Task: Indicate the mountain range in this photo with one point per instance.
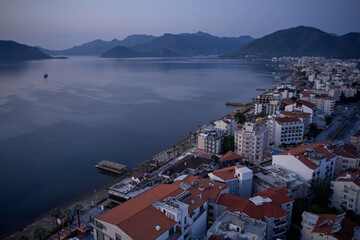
(302, 41)
(10, 50)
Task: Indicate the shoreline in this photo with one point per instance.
(86, 197)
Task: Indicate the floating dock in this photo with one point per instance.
(111, 166)
(234, 104)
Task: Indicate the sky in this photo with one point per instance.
(61, 24)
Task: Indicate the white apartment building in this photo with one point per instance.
(303, 116)
(348, 158)
(177, 211)
(285, 130)
(275, 176)
(308, 162)
(227, 125)
(326, 226)
(302, 106)
(268, 104)
(346, 191)
(210, 141)
(274, 207)
(237, 226)
(237, 178)
(251, 141)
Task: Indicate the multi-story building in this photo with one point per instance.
(251, 142)
(210, 141)
(348, 158)
(326, 226)
(308, 162)
(346, 191)
(237, 226)
(275, 176)
(355, 140)
(325, 104)
(303, 116)
(267, 104)
(237, 178)
(167, 211)
(285, 130)
(302, 106)
(226, 124)
(274, 207)
(189, 165)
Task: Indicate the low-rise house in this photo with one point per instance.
(346, 191)
(230, 159)
(347, 158)
(274, 207)
(275, 176)
(251, 142)
(131, 187)
(326, 226)
(237, 178)
(308, 162)
(189, 165)
(167, 211)
(237, 226)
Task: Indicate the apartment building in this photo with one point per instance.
(167, 211)
(251, 142)
(275, 176)
(274, 207)
(267, 104)
(302, 106)
(326, 226)
(226, 124)
(237, 178)
(347, 158)
(285, 130)
(346, 191)
(210, 141)
(303, 116)
(237, 226)
(308, 162)
(355, 140)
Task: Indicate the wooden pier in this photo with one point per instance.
(261, 89)
(234, 104)
(111, 166)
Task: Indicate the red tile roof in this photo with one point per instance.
(288, 101)
(347, 227)
(269, 210)
(278, 195)
(230, 156)
(227, 173)
(306, 103)
(348, 151)
(139, 211)
(286, 120)
(305, 94)
(295, 115)
(317, 147)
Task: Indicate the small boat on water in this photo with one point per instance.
(46, 75)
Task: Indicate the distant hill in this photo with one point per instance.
(97, 47)
(124, 52)
(302, 41)
(10, 51)
(194, 44)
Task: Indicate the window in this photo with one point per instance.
(117, 236)
(171, 231)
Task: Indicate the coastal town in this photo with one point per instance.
(284, 166)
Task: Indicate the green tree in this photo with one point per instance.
(229, 144)
(56, 214)
(241, 118)
(190, 138)
(260, 115)
(39, 233)
(77, 209)
(67, 212)
(321, 191)
(168, 153)
(174, 149)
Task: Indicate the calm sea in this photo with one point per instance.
(53, 131)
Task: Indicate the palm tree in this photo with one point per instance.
(174, 148)
(56, 214)
(39, 232)
(67, 213)
(77, 208)
(168, 153)
(190, 138)
(23, 238)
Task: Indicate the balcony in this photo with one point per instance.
(279, 224)
(279, 231)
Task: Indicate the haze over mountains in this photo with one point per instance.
(298, 41)
(302, 41)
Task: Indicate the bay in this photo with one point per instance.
(53, 131)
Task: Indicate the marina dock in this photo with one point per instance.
(111, 166)
(234, 104)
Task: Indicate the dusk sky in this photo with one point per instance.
(61, 24)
